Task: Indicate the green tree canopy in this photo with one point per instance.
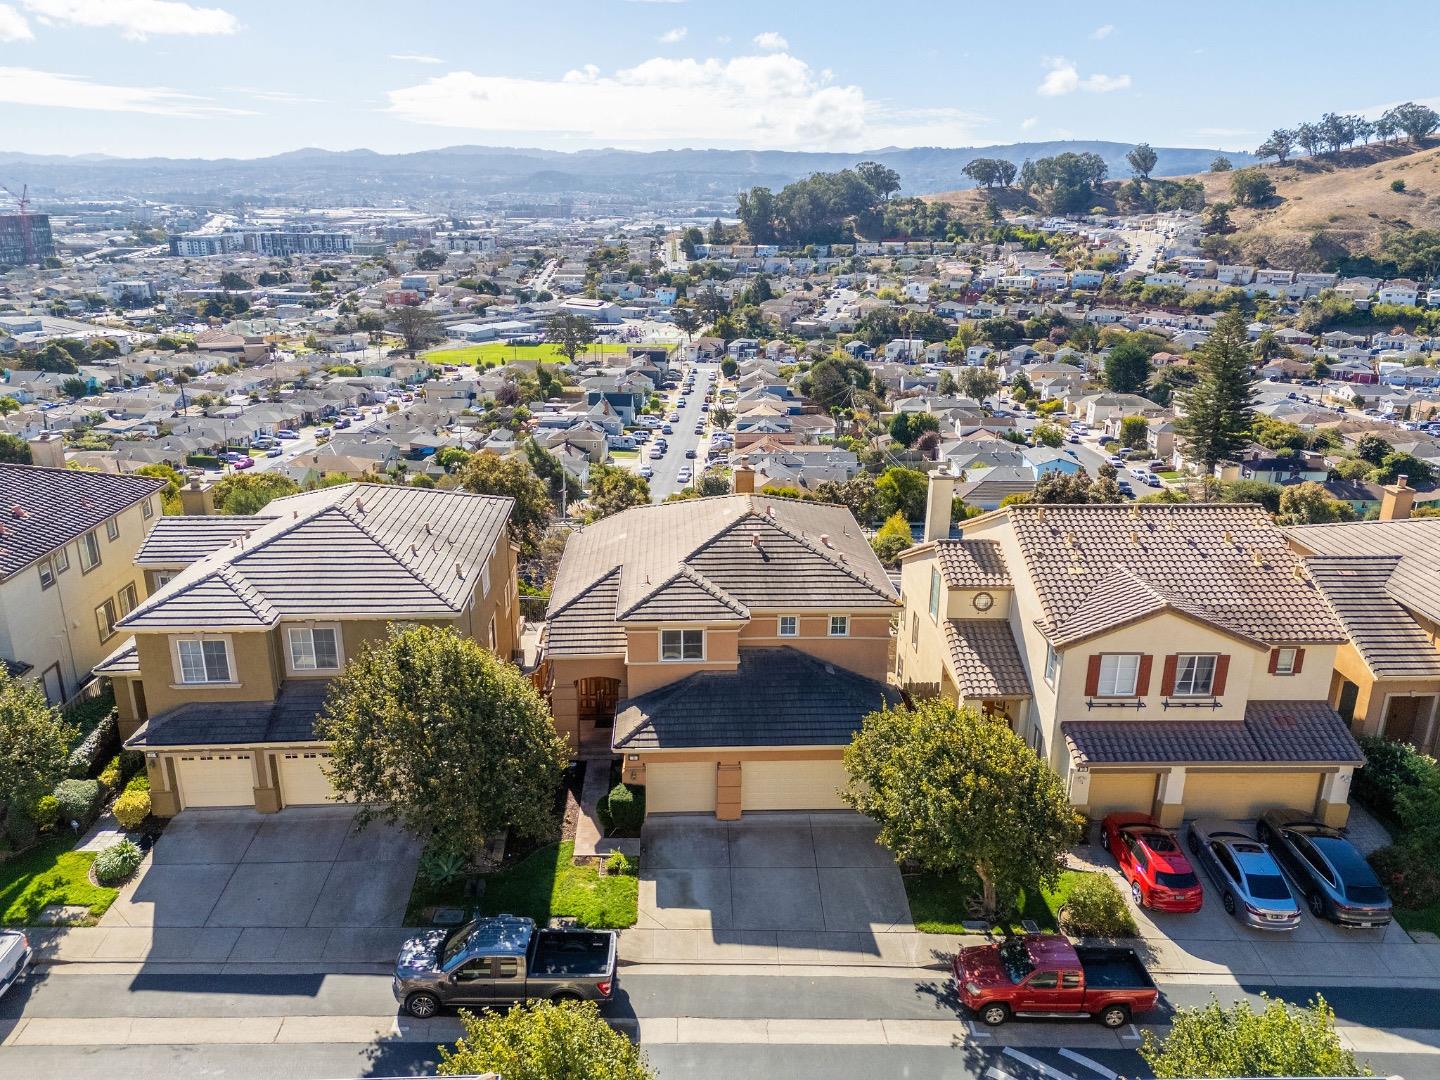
(490, 474)
(34, 746)
(1127, 367)
(430, 729)
(249, 492)
(170, 493)
(1310, 504)
(14, 450)
(1134, 432)
(1251, 187)
(901, 491)
(571, 334)
(544, 1041)
(1219, 409)
(613, 489)
(892, 538)
(1142, 160)
(416, 327)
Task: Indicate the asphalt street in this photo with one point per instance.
(666, 480)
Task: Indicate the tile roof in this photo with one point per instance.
(361, 549)
(290, 718)
(43, 508)
(707, 559)
(1295, 732)
(972, 564)
(984, 659)
(775, 697)
(1097, 566)
(1357, 587)
(179, 541)
(123, 661)
(1416, 541)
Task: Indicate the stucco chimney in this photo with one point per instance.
(197, 499)
(938, 501)
(48, 449)
(744, 481)
(1395, 504)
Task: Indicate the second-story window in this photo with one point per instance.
(89, 551)
(1118, 674)
(203, 660)
(112, 529)
(314, 648)
(1194, 675)
(1052, 663)
(682, 644)
(1284, 663)
(934, 593)
(839, 625)
(789, 626)
(47, 574)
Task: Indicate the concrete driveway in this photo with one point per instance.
(769, 872)
(305, 867)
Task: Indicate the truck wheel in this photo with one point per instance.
(422, 1006)
(995, 1013)
(1114, 1016)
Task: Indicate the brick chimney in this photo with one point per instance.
(744, 481)
(1398, 500)
(197, 499)
(48, 449)
(938, 501)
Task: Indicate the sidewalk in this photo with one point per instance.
(590, 842)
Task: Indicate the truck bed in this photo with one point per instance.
(572, 953)
(1113, 968)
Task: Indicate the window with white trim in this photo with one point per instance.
(682, 645)
(62, 560)
(112, 529)
(1052, 664)
(789, 626)
(1118, 674)
(203, 660)
(839, 625)
(1285, 661)
(1194, 675)
(147, 509)
(934, 593)
(47, 574)
(314, 648)
(89, 551)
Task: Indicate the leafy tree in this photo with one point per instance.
(544, 1041)
(75, 387)
(1049, 435)
(430, 729)
(859, 494)
(1142, 160)
(686, 319)
(833, 381)
(1310, 504)
(1020, 387)
(1279, 1040)
(1001, 331)
(490, 474)
(953, 790)
(170, 493)
(881, 179)
(429, 259)
(1059, 488)
(249, 492)
(1397, 464)
(1417, 121)
(979, 382)
(946, 386)
(1251, 187)
(8, 405)
(1134, 432)
(14, 450)
(1221, 164)
(1219, 409)
(1067, 181)
(232, 280)
(905, 428)
(901, 491)
(34, 746)
(892, 538)
(571, 334)
(1372, 448)
(613, 489)
(1127, 367)
(988, 172)
(416, 327)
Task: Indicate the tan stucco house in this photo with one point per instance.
(726, 648)
(1169, 659)
(229, 661)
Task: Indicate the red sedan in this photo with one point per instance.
(1152, 861)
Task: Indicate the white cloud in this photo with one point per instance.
(1029, 122)
(283, 97)
(415, 58)
(26, 86)
(771, 99)
(1064, 78)
(13, 26)
(770, 41)
(135, 19)
(673, 37)
(1100, 33)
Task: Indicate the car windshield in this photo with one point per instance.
(1175, 881)
(1016, 959)
(1267, 886)
(1361, 884)
(454, 943)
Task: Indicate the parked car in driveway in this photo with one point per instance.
(1331, 874)
(15, 957)
(1252, 888)
(1151, 860)
(502, 961)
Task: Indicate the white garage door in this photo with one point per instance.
(1248, 794)
(792, 785)
(216, 780)
(303, 779)
(1112, 791)
(676, 787)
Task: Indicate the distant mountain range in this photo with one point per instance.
(461, 175)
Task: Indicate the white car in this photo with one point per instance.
(15, 957)
(646, 471)
(685, 475)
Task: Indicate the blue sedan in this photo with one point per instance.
(1334, 878)
(1251, 886)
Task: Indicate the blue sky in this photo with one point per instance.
(244, 78)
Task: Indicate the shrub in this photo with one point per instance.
(1397, 186)
(1392, 771)
(95, 748)
(1410, 873)
(20, 827)
(138, 782)
(117, 862)
(442, 867)
(617, 862)
(111, 776)
(47, 811)
(79, 800)
(1096, 908)
(132, 808)
(622, 812)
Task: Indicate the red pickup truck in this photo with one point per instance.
(1045, 975)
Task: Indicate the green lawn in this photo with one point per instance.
(937, 903)
(1168, 474)
(1427, 918)
(503, 352)
(548, 884)
(50, 874)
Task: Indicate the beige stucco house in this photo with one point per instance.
(229, 662)
(1170, 659)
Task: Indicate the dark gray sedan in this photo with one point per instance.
(1334, 878)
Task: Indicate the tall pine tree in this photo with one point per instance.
(1219, 408)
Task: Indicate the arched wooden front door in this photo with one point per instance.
(597, 699)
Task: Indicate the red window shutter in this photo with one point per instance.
(1299, 661)
(1167, 680)
(1092, 677)
(1222, 667)
(1274, 661)
(1142, 678)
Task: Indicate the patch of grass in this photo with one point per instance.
(50, 874)
(502, 352)
(425, 894)
(624, 453)
(938, 903)
(1426, 918)
(1168, 474)
(547, 884)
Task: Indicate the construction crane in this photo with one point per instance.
(27, 234)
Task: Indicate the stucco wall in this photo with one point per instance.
(257, 672)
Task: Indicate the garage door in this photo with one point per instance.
(216, 780)
(303, 780)
(1248, 794)
(678, 787)
(1111, 791)
(792, 785)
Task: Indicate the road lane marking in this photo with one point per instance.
(995, 1073)
(978, 1032)
(1092, 1065)
(1134, 1033)
(1038, 1065)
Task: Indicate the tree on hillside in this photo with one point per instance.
(1219, 409)
(1127, 367)
(432, 730)
(988, 172)
(416, 327)
(1221, 163)
(569, 333)
(881, 179)
(1418, 122)
(1279, 1040)
(1251, 187)
(613, 489)
(1142, 160)
(546, 1040)
(954, 791)
(490, 474)
(1279, 145)
(34, 751)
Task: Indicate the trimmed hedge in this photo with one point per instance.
(1409, 873)
(87, 759)
(1096, 908)
(622, 812)
(132, 808)
(1392, 770)
(79, 801)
